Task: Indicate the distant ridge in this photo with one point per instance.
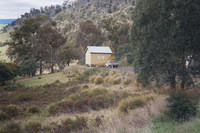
(6, 21)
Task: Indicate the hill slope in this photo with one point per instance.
(110, 17)
(96, 10)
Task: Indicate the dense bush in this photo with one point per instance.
(33, 109)
(98, 80)
(12, 128)
(181, 107)
(5, 73)
(3, 116)
(81, 62)
(33, 127)
(28, 67)
(74, 125)
(81, 102)
(11, 110)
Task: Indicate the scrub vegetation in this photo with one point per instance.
(75, 105)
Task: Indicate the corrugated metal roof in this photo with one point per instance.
(99, 49)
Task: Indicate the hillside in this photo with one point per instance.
(96, 10)
(107, 17)
(3, 38)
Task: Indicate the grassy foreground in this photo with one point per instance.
(86, 100)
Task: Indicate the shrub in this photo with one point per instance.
(98, 80)
(81, 102)
(73, 125)
(33, 109)
(107, 79)
(33, 127)
(126, 81)
(81, 62)
(11, 110)
(131, 104)
(92, 78)
(12, 128)
(181, 107)
(124, 94)
(62, 106)
(24, 96)
(85, 87)
(52, 108)
(117, 81)
(3, 116)
(135, 103)
(124, 107)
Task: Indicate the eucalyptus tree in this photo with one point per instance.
(164, 34)
(50, 41)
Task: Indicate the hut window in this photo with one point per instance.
(99, 57)
(103, 57)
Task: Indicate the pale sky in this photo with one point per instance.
(12, 9)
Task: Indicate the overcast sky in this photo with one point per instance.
(12, 9)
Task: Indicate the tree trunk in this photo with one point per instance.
(183, 73)
(3, 83)
(52, 65)
(68, 61)
(41, 67)
(183, 84)
(173, 83)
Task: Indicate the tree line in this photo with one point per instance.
(165, 35)
(39, 41)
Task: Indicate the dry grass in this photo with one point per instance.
(137, 120)
(134, 121)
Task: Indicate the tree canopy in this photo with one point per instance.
(164, 34)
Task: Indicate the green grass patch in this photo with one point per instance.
(44, 79)
(163, 124)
